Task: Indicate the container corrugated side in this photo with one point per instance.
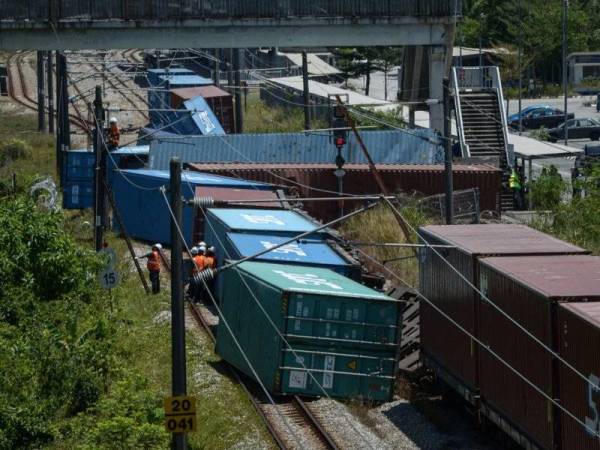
(309, 178)
(345, 333)
(442, 341)
(579, 341)
(501, 389)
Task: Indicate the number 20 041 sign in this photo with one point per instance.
(180, 414)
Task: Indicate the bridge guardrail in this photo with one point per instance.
(62, 10)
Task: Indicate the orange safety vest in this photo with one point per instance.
(210, 262)
(114, 136)
(154, 262)
(199, 263)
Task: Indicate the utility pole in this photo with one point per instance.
(40, 92)
(448, 156)
(100, 175)
(520, 64)
(230, 68)
(306, 90)
(217, 68)
(239, 112)
(178, 369)
(63, 130)
(50, 91)
(59, 106)
(565, 67)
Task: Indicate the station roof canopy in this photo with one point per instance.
(529, 148)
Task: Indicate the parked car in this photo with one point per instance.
(538, 116)
(578, 129)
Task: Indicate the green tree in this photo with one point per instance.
(363, 61)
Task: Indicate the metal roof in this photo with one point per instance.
(529, 148)
(316, 66)
(552, 276)
(324, 90)
(385, 147)
(499, 239)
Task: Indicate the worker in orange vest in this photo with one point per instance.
(211, 258)
(114, 134)
(153, 267)
(198, 264)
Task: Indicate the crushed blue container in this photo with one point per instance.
(143, 208)
(196, 118)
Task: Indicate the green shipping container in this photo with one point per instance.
(342, 332)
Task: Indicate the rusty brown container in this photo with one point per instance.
(529, 290)
(445, 347)
(579, 344)
(220, 101)
(314, 180)
(229, 194)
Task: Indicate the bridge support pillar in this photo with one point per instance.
(437, 72)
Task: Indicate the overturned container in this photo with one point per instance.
(342, 335)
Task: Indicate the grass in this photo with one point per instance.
(260, 118)
(380, 225)
(226, 418)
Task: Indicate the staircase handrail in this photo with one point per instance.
(459, 119)
(497, 83)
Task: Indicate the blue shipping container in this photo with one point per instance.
(197, 118)
(143, 208)
(155, 74)
(276, 222)
(78, 176)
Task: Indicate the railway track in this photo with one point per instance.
(301, 429)
(19, 91)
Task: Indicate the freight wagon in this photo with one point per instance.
(220, 102)
(344, 335)
(450, 352)
(530, 289)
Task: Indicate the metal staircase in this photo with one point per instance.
(481, 119)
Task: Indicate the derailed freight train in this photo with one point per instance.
(526, 353)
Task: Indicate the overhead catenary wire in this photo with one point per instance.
(281, 336)
(495, 306)
(225, 322)
(482, 345)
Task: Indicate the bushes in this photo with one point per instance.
(13, 150)
(546, 191)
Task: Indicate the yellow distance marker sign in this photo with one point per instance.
(180, 414)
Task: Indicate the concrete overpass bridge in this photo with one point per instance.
(123, 24)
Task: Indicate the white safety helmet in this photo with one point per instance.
(157, 246)
(211, 249)
(202, 244)
(194, 251)
(202, 249)
(113, 120)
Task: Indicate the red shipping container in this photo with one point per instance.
(308, 179)
(446, 348)
(220, 101)
(529, 290)
(579, 344)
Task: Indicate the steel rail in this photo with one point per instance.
(299, 406)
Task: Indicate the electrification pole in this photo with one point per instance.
(178, 374)
(40, 92)
(50, 91)
(565, 67)
(99, 202)
(306, 91)
(239, 112)
(448, 156)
